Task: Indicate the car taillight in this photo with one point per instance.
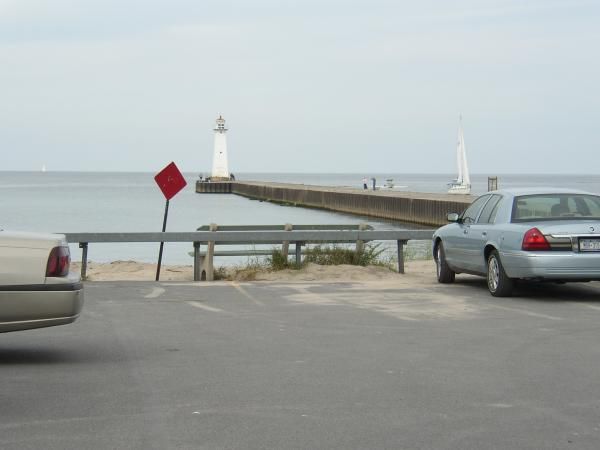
(58, 262)
(534, 240)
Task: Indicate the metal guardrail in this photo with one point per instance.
(287, 227)
(299, 238)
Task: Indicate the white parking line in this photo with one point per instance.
(525, 312)
(245, 293)
(205, 307)
(156, 292)
(595, 308)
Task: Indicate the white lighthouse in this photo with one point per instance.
(220, 169)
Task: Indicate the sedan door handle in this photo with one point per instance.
(484, 233)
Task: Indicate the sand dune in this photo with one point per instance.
(136, 271)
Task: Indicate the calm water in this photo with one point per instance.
(103, 202)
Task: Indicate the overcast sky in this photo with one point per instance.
(305, 86)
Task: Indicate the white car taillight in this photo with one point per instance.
(58, 262)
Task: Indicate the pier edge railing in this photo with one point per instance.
(298, 238)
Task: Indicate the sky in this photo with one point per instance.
(371, 86)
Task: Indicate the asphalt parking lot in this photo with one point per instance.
(370, 365)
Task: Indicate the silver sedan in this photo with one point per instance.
(36, 288)
(522, 234)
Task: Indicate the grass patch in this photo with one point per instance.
(279, 262)
(371, 255)
(243, 272)
(221, 273)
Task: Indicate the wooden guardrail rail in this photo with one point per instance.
(297, 237)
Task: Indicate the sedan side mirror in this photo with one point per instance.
(453, 217)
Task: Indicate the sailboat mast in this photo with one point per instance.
(459, 158)
(465, 167)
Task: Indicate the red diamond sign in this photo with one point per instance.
(170, 181)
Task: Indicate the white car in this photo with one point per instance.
(36, 288)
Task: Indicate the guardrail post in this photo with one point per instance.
(360, 244)
(209, 258)
(285, 247)
(298, 253)
(401, 256)
(196, 261)
(84, 249)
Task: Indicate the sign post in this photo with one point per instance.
(170, 181)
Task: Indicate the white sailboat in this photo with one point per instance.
(462, 183)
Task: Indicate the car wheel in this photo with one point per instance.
(498, 282)
(444, 273)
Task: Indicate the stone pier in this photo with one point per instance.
(213, 187)
(413, 207)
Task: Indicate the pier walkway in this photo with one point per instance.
(413, 207)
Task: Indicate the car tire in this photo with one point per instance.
(499, 284)
(444, 273)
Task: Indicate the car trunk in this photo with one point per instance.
(23, 256)
(571, 228)
(572, 236)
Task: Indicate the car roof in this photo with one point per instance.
(514, 192)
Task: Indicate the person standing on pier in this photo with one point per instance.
(365, 183)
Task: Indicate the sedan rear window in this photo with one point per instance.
(555, 207)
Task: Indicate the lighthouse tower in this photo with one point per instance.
(220, 169)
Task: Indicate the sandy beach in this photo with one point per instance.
(422, 270)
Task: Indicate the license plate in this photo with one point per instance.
(589, 245)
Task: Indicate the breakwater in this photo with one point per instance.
(217, 187)
(412, 207)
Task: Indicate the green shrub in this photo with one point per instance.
(336, 255)
(277, 261)
(373, 254)
(220, 273)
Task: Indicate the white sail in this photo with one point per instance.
(466, 179)
(459, 155)
(462, 184)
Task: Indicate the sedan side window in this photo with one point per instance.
(470, 215)
(488, 215)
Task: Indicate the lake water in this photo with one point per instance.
(130, 202)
